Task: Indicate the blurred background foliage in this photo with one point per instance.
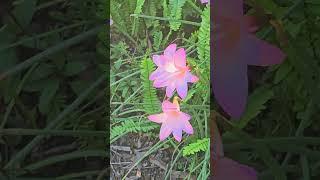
(52, 88)
(279, 132)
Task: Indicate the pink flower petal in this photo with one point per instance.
(192, 78)
(157, 118)
(230, 86)
(184, 116)
(155, 74)
(228, 8)
(159, 84)
(188, 128)
(182, 89)
(169, 90)
(266, 54)
(164, 132)
(204, 1)
(177, 134)
(227, 169)
(167, 106)
(170, 50)
(180, 58)
(158, 60)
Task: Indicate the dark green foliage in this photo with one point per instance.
(49, 79)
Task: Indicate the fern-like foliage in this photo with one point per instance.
(255, 105)
(200, 145)
(157, 40)
(138, 10)
(139, 6)
(203, 49)
(151, 7)
(118, 19)
(130, 126)
(151, 102)
(175, 7)
(203, 45)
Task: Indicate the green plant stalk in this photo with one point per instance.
(48, 4)
(41, 56)
(120, 80)
(58, 120)
(61, 158)
(127, 100)
(205, 165)
(199, 123)
(12, 102)
(126, 34)
(27, 132)
(174, 162)
(299, 132)
(277, 141)
(166, 19)
(45, 34)
(77, 175)
(305, 167)
(194, 6)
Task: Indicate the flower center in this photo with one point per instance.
(170, 67)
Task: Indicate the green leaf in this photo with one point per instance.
(47, 94)
(42, 71)
(24, 12)
(8, 57)
(282, 72)
(78, 86)
(73, 68)
(271, 7)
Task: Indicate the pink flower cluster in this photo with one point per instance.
(172, 73)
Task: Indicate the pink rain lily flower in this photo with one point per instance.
(204, 1)
(235, 47)
(172, 72)
(173, 121)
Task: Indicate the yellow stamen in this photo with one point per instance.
(176, 102)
